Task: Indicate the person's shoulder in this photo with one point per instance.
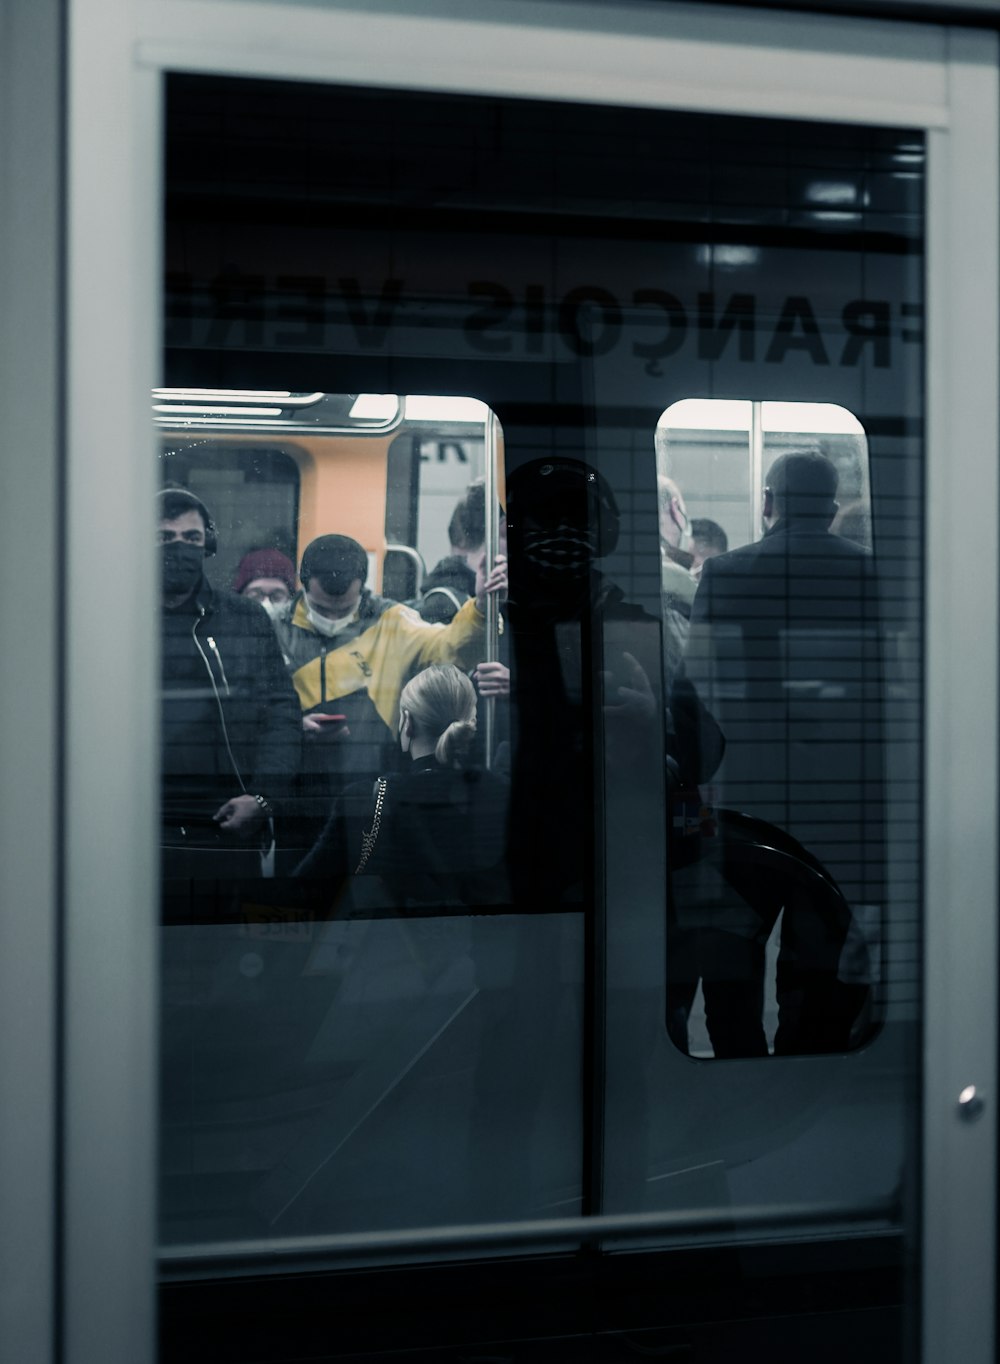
(677, 582)
(241, 611)
(373, 606)
(733, 561)
(452, 572)
(399, 613)
(831, 548)
(849, 549)
(484, 777)
(612, 605)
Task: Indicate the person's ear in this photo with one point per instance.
(405, 730)
(768, 503)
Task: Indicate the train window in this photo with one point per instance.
(375, 1041)
(336, 760)
(781, 638)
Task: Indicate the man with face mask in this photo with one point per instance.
(230, 725)
(676, 558)
(350, 653)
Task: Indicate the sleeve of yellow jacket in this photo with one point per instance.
(402, 642)
(381, 659)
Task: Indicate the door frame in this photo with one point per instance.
(709, 59)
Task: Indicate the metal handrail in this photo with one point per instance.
(537, 1233)
(413, 555)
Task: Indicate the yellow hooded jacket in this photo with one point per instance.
(379, 658)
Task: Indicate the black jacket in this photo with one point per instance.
(785, 648)
(442, 841)
(230, 716)
(798, 576)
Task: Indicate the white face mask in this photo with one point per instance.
(327, 625)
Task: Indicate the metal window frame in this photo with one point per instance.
(736, 61)
(32, 50)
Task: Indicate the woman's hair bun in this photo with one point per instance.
(454, 742)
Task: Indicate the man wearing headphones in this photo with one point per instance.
(231, 735)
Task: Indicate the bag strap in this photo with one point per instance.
(369, 839)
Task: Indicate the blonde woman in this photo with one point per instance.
(434, 836)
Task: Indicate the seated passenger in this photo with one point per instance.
(266, 576)
(436, 836)
(350, 653)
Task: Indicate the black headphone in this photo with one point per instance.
(529, 482)
(193, 503)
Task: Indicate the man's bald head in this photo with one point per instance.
(801, 485)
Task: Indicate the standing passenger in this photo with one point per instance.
(266, 576)
(439, 836)
(452, 581)
(231, 736)
(677, 583)
(784, 646)
(350, 653)
(707, 540)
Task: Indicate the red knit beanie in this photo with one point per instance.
(264, 563)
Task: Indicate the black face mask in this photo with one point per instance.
(182, 567)
(560, 555)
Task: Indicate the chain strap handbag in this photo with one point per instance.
(369, 839)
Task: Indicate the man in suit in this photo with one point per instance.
(784, 651)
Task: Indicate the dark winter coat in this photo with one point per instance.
(230, 717)
(441, 844)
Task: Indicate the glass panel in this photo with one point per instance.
(579, 269)
(782, 643)
(327, 995)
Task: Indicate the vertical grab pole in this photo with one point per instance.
(756, 469)
(492, 602)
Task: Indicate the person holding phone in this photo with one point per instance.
(350, 652)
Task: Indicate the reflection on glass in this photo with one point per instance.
(345, 990)
(777, 868)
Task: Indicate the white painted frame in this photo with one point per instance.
(712, 59)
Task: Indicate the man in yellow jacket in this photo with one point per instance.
(350, 653)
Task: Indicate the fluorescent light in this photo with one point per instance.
(832, 192)
(823, 215)
(818, 419)
(725, 254)
(203, 410)
(375, 407)
(706, 414)
(726, 414)
(421, 408)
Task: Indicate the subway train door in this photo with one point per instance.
(712, 1073)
